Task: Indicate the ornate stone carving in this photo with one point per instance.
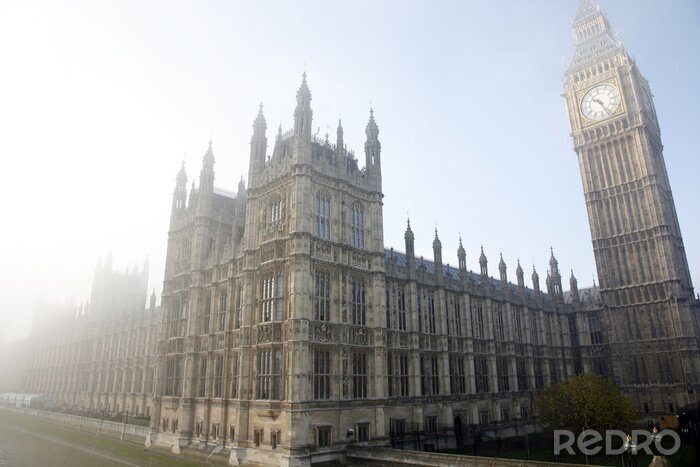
(360, 336)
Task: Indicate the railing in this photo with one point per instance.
(93, 425)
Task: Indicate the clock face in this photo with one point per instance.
(600, 102)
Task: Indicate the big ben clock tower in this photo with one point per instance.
(649, 309)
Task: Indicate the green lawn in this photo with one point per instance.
(76, 447)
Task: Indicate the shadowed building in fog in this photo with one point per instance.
(100, 356)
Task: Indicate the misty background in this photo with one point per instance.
(101, 101)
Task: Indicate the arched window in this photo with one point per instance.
(275, 210)
(323, 216)
(272, 297)
(357, 233)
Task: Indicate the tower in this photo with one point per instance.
(642, 268)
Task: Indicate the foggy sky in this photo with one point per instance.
(99, 101)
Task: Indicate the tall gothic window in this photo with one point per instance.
(207, 314)
(323, 216)
(434, 376)
(401, 308)
(478, 320)
(269, 370)
(357, 302)
(502, 372)
(457, 376)
(420, 313)
(481, 374)
(518, 326)
(573, 331)
(430, 376)
(272, 294)
(458, 318)
(535, 329)
(357, 224)
(173, 376)
(201, 388)
(403, 375)
(322, 374)
(275, 211)
(500, 325)
(431, 314)
(322, 295)
(178, 318)
(595, 330)
(234, 376)
(521, 372)
(219, 376)
(222, 310)
(539, 377)
(359, 375)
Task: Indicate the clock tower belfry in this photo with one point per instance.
(649, 323)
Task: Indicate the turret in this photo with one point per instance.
(535, 279)
(339, 142)
(206, 177)
(483, 263)
(461, 258)
(258, 146)
(555, 276)
(152, 304)
(503, 270)
(437, 250)
(303, 116)
(180, 193)
(410, 250)
(373, 147)
(573, 284)
(520, 276)
(409, 238)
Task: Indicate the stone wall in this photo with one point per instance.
(384, 457)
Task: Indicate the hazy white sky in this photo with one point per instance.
(100, 100)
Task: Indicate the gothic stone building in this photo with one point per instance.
(99, 357)
(289, 330)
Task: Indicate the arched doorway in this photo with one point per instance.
(459, 434)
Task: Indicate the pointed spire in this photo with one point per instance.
(181, 178)
(206, 177)
(573, 287)
(409, 242)
(258, 146)
(152, 304)
(339, 141)
(503, 270)
(373, 147)
(437, 249)
(304, 93)
(535, 279)
(586, 9)
(461, 257)
(592, 36)
(483, 263)
(260, 121)
(303, 117)
(520, 275)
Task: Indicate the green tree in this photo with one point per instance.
(586, 402)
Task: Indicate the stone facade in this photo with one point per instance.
(649, 312)
(99, 357)
(288, 330)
